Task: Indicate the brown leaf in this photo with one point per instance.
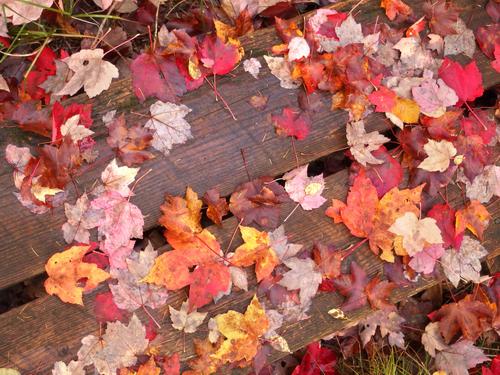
(378, 294)
(217, 206)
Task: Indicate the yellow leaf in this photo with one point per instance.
(40, 192)
(242, 333)
(66, 269)
(406, 110)
(256, 249)
(149, 368)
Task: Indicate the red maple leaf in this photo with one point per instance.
(445, 220)
(466, 81)
(208, 280)
(218, 57)
(317, 361)
(105, 309)
(352, 286)
(292, 123)
(384, 99)
(156, 76)
(60, 114)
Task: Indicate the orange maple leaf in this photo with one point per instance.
(66, 269)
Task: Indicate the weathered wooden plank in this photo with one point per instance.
(212, 158)
(46, 330)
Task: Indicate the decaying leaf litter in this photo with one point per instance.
(408, 72)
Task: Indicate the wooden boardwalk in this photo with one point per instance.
(46, 330)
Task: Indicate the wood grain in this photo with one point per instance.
(38, 334)
(211, 159)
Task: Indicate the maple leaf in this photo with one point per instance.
(117, 178)
(480, 123)
(303, 275)
(425, 260)
(445, 220)
(362, 143)
(278, 241)
(280, 68)
(298, 48)
(464, 264)
(475, 217)
(130, 143)
(169, 126)
(217, 206)
(394, 8)
(484, 186)
(90, 72)
(256, 249)
(467, 82)
(404, 111)
(413, 54)
(389, 325)
(383, 98)
(303, 189)
(383, 176)
(81, 218)
(352, 286)
(120, 221)
(60, 368)
(149, 368)
(459, 357)
(416, 233)
(117, 348)
(349, 32)
(432, 339)
(433, 96)
(74, 130)
(442, 16)
(328, 259)
(184, 321)
(154, 75)
(438, 157)
(316, 361)
(461, 42)
(466, 316)
(61, 114)
(292, 123)
(242, 333)
(207, 282)
(65, 270)
(217, 56)
(378, 292)
(21, 12)
(171, 364)
(130, 293)
(105, 309)
(258, 201)
(252, 66)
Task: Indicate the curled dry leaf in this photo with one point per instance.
(169, 126)
(65, 270)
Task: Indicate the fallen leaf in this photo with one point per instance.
(298, 48)
(217, 206)
(105, 309)
(467, 82)
(442, 16)
(416, 233)
(362, 143)
(304, 276)
(117, 178)
(433, 96)
(280, 68)
(394, 8)
(60, 368)
(278, 241)
(432, 340)
(169, 126)
(317, 360)
(474, 217)
(65, 270)
(117, 348)
(389, 325)
(303, 189)
(328, 259)
(90, 72)
(464, 264)
(22, 13)
(439, 154)
(252, 66)
(241, 332)
(378, 293)
(255, 250)
(463, 41)
(184, 321)
(149, 368)
(484, 186)
(466, 316)
(352, 286)
(292, 123)
(74, 130)
(217, 56)
(425, 260)
(81, 218)
(349, 32)
(459, 357)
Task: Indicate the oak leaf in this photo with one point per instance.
(255, 250)
(65, 270)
